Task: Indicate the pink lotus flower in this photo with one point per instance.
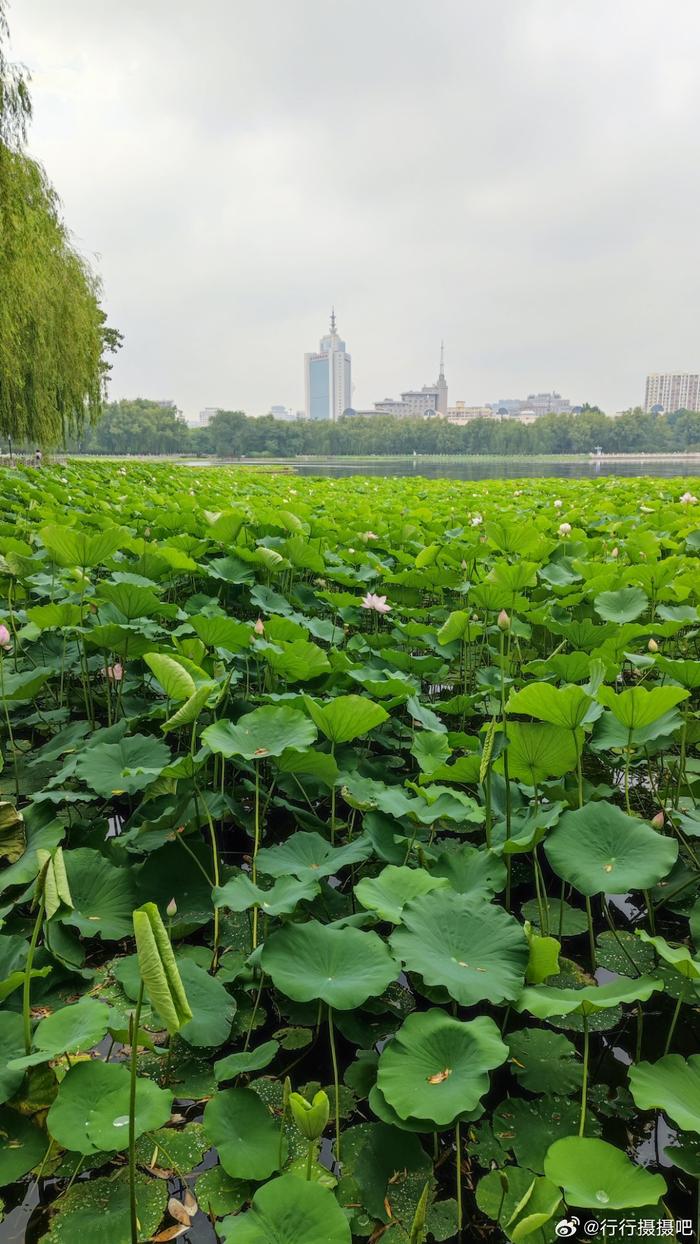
(377, 603)
(114, 673)
(369, 535)
(4, 636)
(259, 627)
(688, 499)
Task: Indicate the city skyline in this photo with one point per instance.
(222, 217)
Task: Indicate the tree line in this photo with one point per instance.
(146, 427)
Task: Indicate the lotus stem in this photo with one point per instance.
(256, 846)
(310, 1159)
(650, 911)
(674, 1017)
(8, 722)
(591, 934)
(134, 1023)
(215, 869)
(27, 985)
(458, 1147)
(584, 1086)
(336, 1084)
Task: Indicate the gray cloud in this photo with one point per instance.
(518, 177)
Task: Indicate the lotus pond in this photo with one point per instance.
(349, 834)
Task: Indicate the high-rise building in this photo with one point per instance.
(206, 415)
(328, 378)
(679, 390)
(425, 402)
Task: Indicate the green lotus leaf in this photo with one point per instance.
(266, 731)
(543, 959)
(637, 708)
(240, 894)
(544, 1061)
(528, 1128)
(103, 896)
(131, 600)
(72, 1030)
(543, 1001)
(596, 1175)
(345, 718)
(599, 849)
(72, 547)
(22, 1145)
(624, 605)
(678, 957)
(248, 1060)
(308, 855)
(567, 706)
(687, 673)
(537, 752)
(124, 767)
(343, 967)
(431, 750)
(98, 1210)
(221, 632)
(107, 1124)
(671, 1084)
(210, 1004)
(314, 764)
(289, 1210)
(388, 893)
(472, 948)
(190, 710)
(437, 1067)
(53, 881)
(176, 682)
(92, 1096)
(300, 661)
(471, 871)
(11, 1048)
(245, 1133)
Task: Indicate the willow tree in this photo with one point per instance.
(54, 340)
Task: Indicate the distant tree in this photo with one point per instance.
(54, 340)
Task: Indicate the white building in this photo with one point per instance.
(419, 403)
(461, 414)
(671, 391)
(328, 378)
(206, 415)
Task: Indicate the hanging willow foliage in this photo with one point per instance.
(53, 337)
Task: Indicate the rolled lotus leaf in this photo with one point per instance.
(158, 969)
(53, 881)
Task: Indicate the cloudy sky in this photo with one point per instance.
(519, 177)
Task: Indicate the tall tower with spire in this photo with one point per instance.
(328, 377)
(441, 404)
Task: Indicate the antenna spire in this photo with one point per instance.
(332, 319)
(442, 360)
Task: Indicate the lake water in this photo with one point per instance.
(476, 468)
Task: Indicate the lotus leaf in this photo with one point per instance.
(596, 1175)
(289, 1211)
(472, 948)
(600, 849)
(437, 1067)
(245, 1134)
(343, 967)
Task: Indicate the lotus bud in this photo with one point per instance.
(558, 504)
(565, 529)
(615, 552)
(171, 909)
(4, 636)
(259, 627)
(659, 820)
(310, 1117)
(653, 646)
(503, 621)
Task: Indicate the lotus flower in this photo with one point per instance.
(558, 504)
(503, 621)
(369, 535)
(259, 627)
(477, 520)
(377, 603)
(114, 673)
(565, 529)
(4, 636)
(688, 499)
(615, 552)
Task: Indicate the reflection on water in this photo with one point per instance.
(470, 469)
(517, 468)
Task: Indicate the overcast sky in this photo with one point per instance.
(519, 177)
